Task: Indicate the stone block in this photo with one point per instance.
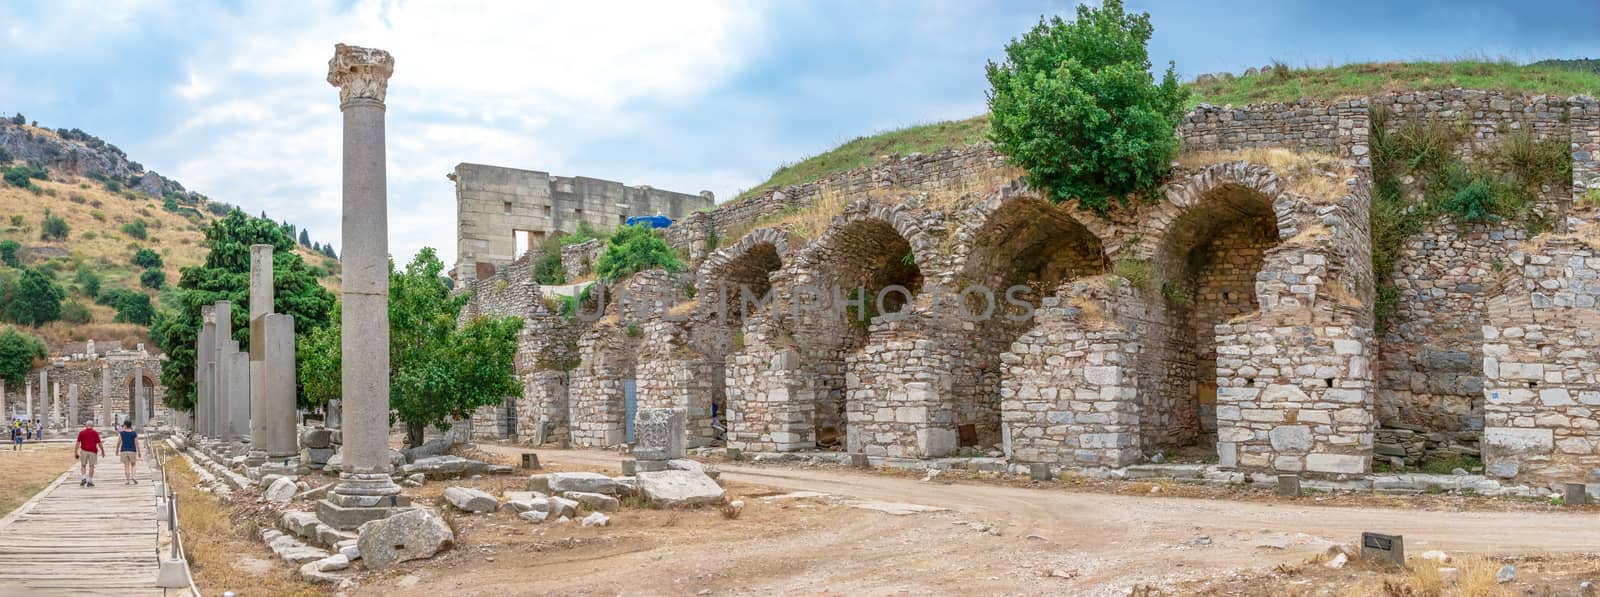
(1518, 440)
(596, 502)
(679, 488)
(1290, 438)
(468, 499)
(1347, 464)
(409, 535)
(664, 429)
(585, 482)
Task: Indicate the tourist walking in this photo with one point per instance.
(129, 452)
(89, 451)
(16, 437)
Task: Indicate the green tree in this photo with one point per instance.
(225, 275)
(318, 361)
(633, 249)
(153, 278)
(88, 281)
(8, 253)
(147, 258)
(1076, 106)
(53, 227)
(131, 306)
(135, 229)
(19, 353)
(34, 299)
(75, 313)
(437, 371)
(305, 239)
(548, 269)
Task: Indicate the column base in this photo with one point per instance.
(349, 518)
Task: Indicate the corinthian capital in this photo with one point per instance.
(360, 73)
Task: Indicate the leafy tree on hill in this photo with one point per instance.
(53, 227)
(634, 249)
(225, 275)
(75, 313)
(88, 282)
(437, 370)
(132, 307)
(8, 253)
(305, 239)
(147, 258)
(328, 250)
(33, 298)
(1076, 106)
(153, 278)
(19, 353)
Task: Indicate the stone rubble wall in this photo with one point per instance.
(1336, 128)
(578, 260)
(1541, 365)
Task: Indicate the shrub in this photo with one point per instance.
(76, 313)
(583, 234)
(16, 220)
(135, 229)
(132, 307)
(88, 282)
(1139, 272)
(547, 267)
(34, 299)
(153, 278)
(8, 253)
(147, 258)
(1075, 105)
(19, 353)
(19, 176)
(633, 249)
(99, 216)
(53, 227)
(1474, 203)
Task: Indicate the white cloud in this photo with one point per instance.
(496, 82)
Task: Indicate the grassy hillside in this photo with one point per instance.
(1282, 83)
(102, 239)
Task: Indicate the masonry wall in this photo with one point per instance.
(86, 374)
(1541, 365)
(493, 202)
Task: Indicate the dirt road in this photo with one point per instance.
(1050, 540)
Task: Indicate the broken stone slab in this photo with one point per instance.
(281, 491)
(534, 516)
(539, 483)
(685, 464)
(333, 563)
(520, 506)
(300, 523)
(414, 534)
(597, 502)
(435, 467)
(521, 495)
(892, 508)
(585, 482)
(596, 519)
(433, 447)
(673, 488)
(310, 572)
(471, 500)
(562, 507)
(289, 549)
(350, 551)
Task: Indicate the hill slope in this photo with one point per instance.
(105, 200)
(1276, 83)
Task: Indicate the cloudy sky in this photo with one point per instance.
(230, 99)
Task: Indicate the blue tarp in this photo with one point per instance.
(653, 221)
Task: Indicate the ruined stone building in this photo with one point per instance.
(1232, 317)
(105, 378)
(503, 212)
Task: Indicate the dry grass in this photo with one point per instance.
(1316, 176)
(1463, 576)
(29, 470)
(214, 540)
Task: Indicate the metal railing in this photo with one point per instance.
(170, 498)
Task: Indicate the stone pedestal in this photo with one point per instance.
(365, 490)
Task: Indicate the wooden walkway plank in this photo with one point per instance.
(75, 540)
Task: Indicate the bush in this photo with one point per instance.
(547, 267)
(19, 176)
(135, 229)
(16, 221)
(583, 234)
(132, 307)
(1075, 105)
(88, 282)
(634, 249)
(76, 313)
(53, 227)
(18, 354)
(147, 258)
(33, 299)
(8, 253)
(153, 278)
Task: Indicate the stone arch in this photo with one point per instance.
(748, 264)
(870, 246)
(1208, 241)
(1015, 238)
(150, 382)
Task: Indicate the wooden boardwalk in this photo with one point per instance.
(73, 540)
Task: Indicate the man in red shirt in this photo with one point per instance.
(89, 451)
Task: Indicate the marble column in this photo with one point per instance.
(56, 418)
(3, 410)
(261, 304)
(44, 396)
(278, 414)
(365, 491)
(224, 345)
(27, 399)
(203, 357)
(237, 365)
(105, 396)
(73, 418)
(141, 414)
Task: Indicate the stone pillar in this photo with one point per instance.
(236, 367)
(44, 394)
(365, 491)
(56, 418)
(223, 345)
(204, 355)
(72, 406)
(141, 409)
(3, 409)
(27, 399)
(276, 433)
(105, 396)
(261, 304)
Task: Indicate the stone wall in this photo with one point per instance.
(87, 375)
(1541, 347)
(1337, 128)
(578, 260)
(493, 203)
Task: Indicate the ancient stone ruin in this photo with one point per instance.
(935, 305)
